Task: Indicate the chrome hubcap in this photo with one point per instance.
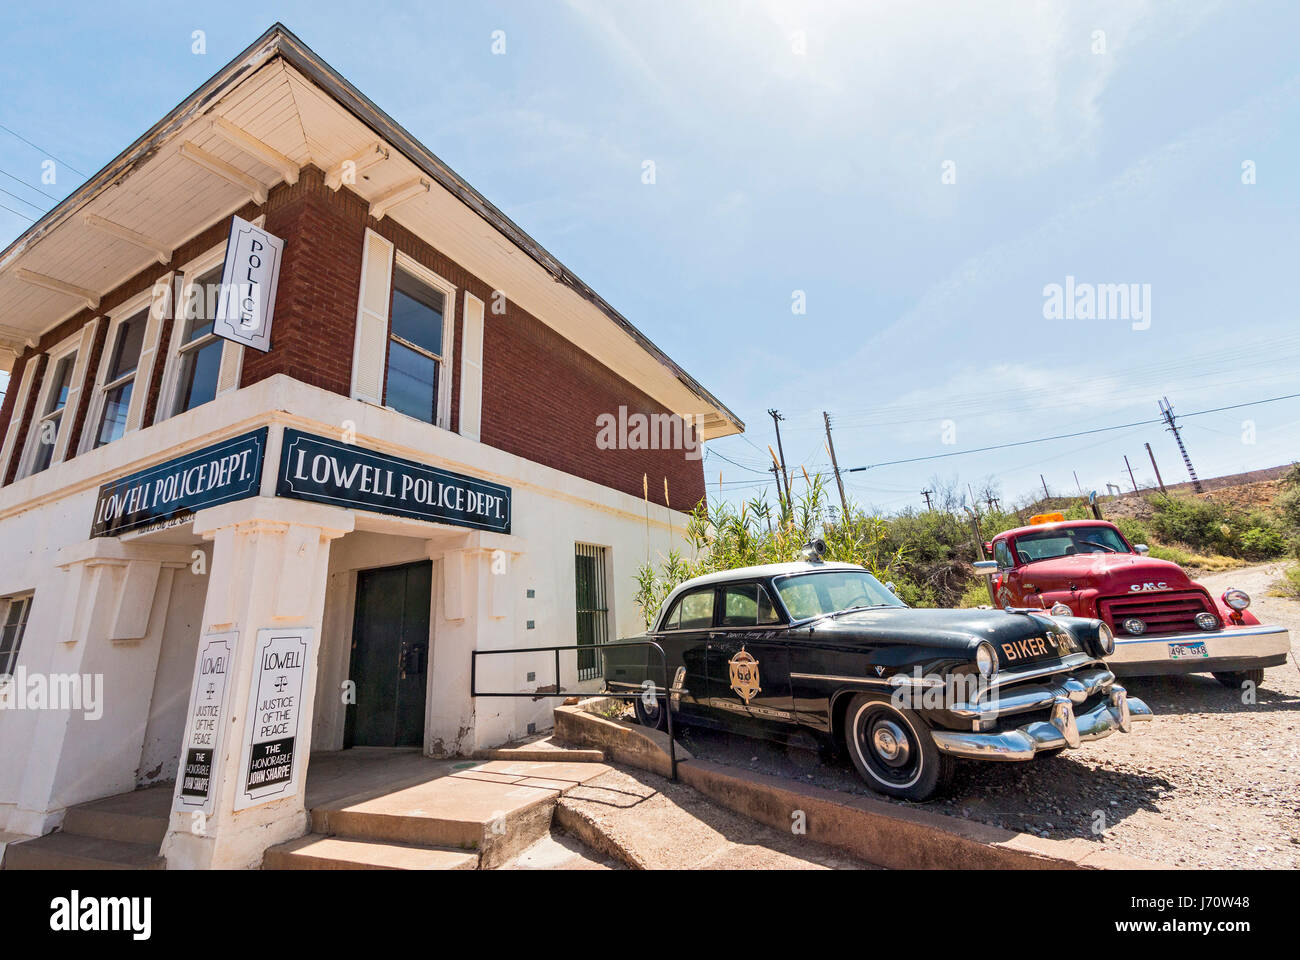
(890, 743)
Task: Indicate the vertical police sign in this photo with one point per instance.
(207, 721)
(269, 767)
(248, 284)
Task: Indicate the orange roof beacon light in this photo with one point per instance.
(1046, 518)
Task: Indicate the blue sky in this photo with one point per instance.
(805, 147)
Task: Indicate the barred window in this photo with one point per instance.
(593, 609)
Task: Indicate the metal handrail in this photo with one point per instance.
(663, 657)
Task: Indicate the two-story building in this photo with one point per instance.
(225, 547)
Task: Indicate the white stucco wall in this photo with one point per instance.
(551, 512)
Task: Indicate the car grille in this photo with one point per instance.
(1162, 613)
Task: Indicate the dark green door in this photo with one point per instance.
(390, 655)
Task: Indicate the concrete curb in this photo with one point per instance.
(621, 742)
(877, 831)
(589, 832)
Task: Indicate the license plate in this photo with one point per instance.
(1182, 651)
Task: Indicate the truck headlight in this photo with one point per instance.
(986, 659)
(1061, 610)
(1105, 639)
(1238, 600)
(1207, 621)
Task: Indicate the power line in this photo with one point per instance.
(16, 213)
(29, 186)
(34, 206)
(42, 150)
(1067, 436)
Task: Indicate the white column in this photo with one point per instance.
(269, 568)
(114, 610)
(476, 612)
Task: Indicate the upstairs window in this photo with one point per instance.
(54, 398)
(127, 341)
(199, 349)
(415, 348)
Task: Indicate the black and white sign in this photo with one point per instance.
(172, 491)
(248, 283)
(345, 475)
(207, 721)
(269, 767)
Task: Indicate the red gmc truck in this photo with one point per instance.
(1163, 621)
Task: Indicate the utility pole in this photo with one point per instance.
(1167, 410)
(776, 422)
(835, 465)
(926, 494)
(775, 470)
(1130, 473)
(1046, 495)
(1077, 483)
(993, 502)
(1157, 470)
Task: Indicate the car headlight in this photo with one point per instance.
(986, 659)
(1207, 621)
(1238, 600)
(1061, 610)
(1105, 639)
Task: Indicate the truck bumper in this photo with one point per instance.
(1064, 729)
(1218, 651)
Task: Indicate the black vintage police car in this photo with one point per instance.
(783, 650)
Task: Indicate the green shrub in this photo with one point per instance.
(1289, 585)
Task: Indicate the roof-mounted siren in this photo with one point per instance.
(814, 551)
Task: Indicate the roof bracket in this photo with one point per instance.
(90, 297)
(256, 189)
(351, 168)
(159, 249)
(397, 195)
(242, 140)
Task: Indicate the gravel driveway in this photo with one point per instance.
(1210, 782)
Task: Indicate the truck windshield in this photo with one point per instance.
(1067, 542)
(817, 594)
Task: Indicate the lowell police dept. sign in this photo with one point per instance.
(170, 492)
(345, 475)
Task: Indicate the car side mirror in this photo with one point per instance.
(890, 587)
(1141, 548)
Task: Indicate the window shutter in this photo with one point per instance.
(20, 406)
(159, 309)
(471, 369)
(232, 366)
(370, 351)
(68, 420)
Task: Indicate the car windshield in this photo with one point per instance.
(1067, 542)
(817, 594)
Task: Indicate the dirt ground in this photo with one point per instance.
(1210, 782)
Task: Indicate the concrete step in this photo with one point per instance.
(316, 852)
(541, 748)
(66, 851)
(107, 822)
(497, 808)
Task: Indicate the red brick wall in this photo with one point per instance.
(541, 394)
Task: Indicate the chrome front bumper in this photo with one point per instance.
(1064, 728)
(1233, 648)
